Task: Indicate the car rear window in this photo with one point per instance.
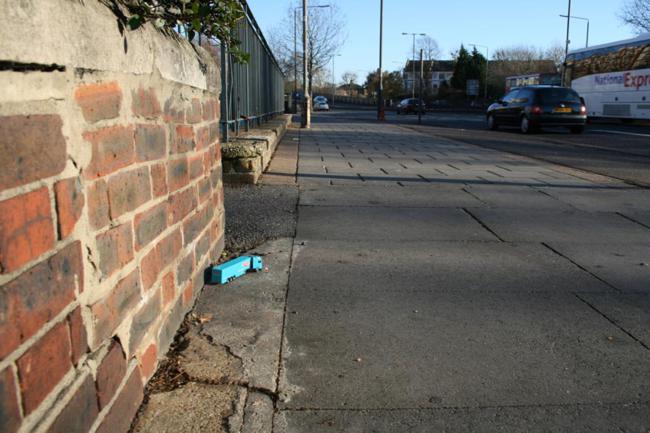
(557, 95)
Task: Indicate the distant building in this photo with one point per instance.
(436, 73)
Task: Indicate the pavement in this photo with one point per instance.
(435, 285)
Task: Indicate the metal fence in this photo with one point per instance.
(251, 92)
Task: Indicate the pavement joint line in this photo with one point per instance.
(473, 195)
(477, 219)
(582, 268)
(613, 322)
(632, 220)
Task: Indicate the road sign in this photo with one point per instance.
(472, 87)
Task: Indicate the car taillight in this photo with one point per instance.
(536, 109)
(583, 109)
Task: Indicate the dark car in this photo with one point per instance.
(410, 105)
(533, 107)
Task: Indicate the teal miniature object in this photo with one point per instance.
(235, 268)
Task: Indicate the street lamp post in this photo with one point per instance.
(566, 48)
(487, 66)
(583, 19)
(305, 121)
(334, 79)
(380, 96)
(414, 35)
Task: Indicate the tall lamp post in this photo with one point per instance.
(334, 79)
(414, 35)
(487, 66)
(566, 48)
(583, 19)
(380, 96)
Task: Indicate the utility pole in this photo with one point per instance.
(306, 103)
(295, 60)
(583, 19)
(380, 96)
(414, 35)
(421, 86)
(566, 49)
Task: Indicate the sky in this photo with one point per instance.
(495, 24)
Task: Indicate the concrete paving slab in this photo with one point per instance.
(388, 196)
(518, 225)
(630, 418)
(640, 217)
(420, 349)
(471, 268)
(248, 314)
(625, 266)
(383, 223)
(515, 197)
(603, 199)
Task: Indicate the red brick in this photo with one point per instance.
(150, 267)
(128, 190)
(145, 103)
(185, 269)
(170, 247)
(115, 249)
(80, 412)
(193, 114)
(147, 361)
(159, 179)
(26, 229)
(196, 166)
(178, 174)
(9, 408)
(180, 205)
(143, 321)
(168, 289)
(149, 224)
(112, 149)
(209, 112)
(78, 340)
(98, 210)
(119, 417)
(69, 204)
(204, 189)
(150, 142)
(202, 137)
(43, 366)
(184, 139)
(187, 294)
(32, 148)
(215, 132)
(36, 296)
(109, 312)
(110, 373)
(215, 177)
(99, 101)
(195, 224)
(174, 112)
(203, 246)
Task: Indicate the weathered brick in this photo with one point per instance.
(185, 269)
(178, 174)
(173, 320)
(215, 177)
(112, 149)
(216, 229)
(143, 320)
(168, 289)
(202, 137)
(78, 340)
(9, 408)
(202, 246)
(69, 204)
(43, 365)
(181, 204)
(204, 189)
(196, 166)
(98, 210)
(193, 113)
(150, 142)
(194, 225)
(145, 103)
(110, 373)
(26, 229)
(149, 224)
(80, 412)
(128, 190)
(159, 179)
(184, 139)
(120, 415)
(187, 294)
(115, 249)
(209, 110)
(99, 101)
(110, 311)
(215, 131)
(217, 249)
(36, 296)
(150, 268)
(147, 361)
(169, 247)
(31, 148)
(174, 112)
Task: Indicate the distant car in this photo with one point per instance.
(410, 105)
(321, 106)
(533, 107)
(320, 99)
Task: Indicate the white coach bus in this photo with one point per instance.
(614, 79)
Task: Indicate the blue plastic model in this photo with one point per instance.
(235, 268)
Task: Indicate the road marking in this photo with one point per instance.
(636, 134)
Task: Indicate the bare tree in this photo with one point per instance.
(520, 53)
(349, 78)
(429, 47)
(556, 53)
(636, 13)
(327, 35)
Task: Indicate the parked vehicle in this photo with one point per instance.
(410, 105)
(321, 105)
(533, 107)
(320, 99)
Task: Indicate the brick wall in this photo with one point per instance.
(111, 207)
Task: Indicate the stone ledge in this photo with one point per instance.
(247, 156)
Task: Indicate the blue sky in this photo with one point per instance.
(496, 23)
